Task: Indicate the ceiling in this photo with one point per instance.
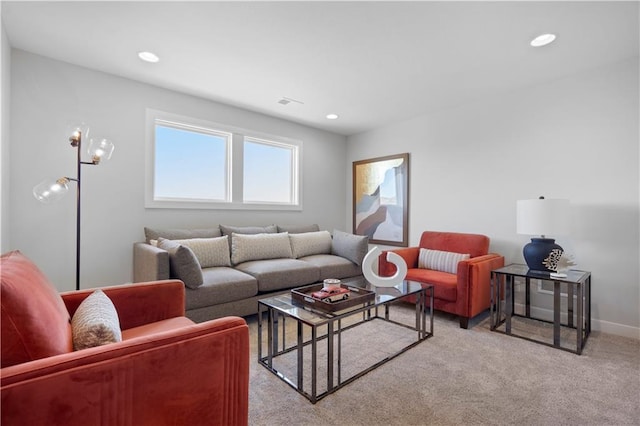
(372, 63)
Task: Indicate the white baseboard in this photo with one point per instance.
(596, 324)
(615, 328)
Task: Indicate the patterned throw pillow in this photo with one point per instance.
(444, 261)
(183, 263)
(210, 252)
(260, 246)
(95, 322)
(310, 243)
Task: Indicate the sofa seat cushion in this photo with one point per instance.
(156, 327)
(332, 266)
(35, 321)
(278, 274)
(221, 285)
(445, 285)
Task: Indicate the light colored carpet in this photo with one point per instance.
(463, 377)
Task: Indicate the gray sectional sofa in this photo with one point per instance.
(227, 269)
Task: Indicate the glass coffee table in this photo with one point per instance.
(306, 355)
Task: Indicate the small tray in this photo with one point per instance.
(358, 296)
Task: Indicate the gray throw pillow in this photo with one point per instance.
(350, 246)
(95, 322)
(298, 229)
(183, 263)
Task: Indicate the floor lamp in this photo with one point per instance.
(50, 190)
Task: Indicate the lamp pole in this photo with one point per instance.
(76, 142)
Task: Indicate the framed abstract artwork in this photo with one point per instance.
(380, 199)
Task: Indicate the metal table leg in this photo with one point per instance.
(300, 350)
(556, 313)
(314, 363)
(570, 304)
(579, 321)
(508, 303)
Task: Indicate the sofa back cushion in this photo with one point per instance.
(180, 234)
(474, 244)
(35, 322)
(260, 247)
(298, 229)
(310, 243)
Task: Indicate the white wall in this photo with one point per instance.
(5, 96)
(574, 138)
(46, 93)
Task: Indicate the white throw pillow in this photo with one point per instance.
(259, 246)
(444, 261)
(310, 243)
(210, 252)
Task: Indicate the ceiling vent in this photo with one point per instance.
(287, 101)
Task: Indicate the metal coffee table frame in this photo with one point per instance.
(282, 307)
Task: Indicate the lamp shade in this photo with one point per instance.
(100, 149)
(542, 217)
(50, 190)
(76, 131)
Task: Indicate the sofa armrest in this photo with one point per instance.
(138, 304)
(474, 283)
(409, 254)
(198, 374)
(149, 263)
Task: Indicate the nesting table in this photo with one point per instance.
(576, 283)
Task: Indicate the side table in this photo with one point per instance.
(503, 303)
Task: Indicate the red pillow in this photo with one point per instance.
(35, 322)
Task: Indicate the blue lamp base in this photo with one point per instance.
(537, 251)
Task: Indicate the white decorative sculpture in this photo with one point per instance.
(375, 279)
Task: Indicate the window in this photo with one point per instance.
(190, 163)
(197, 164)
(270, 169)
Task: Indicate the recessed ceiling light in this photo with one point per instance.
(148, 57)
(332, 116)
(543, 40)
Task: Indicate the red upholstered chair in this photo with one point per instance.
(465, 293)
(167, 370)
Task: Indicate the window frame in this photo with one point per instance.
(235, 167)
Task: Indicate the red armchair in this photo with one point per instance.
(466, 293)
(166, 371)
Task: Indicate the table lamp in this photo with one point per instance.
(542, 217)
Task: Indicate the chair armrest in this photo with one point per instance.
(409, 254)
(149, 263)
(138, 304)
(474, 283)
(198, 374)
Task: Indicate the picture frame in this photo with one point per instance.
(381, 199)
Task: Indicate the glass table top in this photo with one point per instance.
(284, 304)
(573, 275)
